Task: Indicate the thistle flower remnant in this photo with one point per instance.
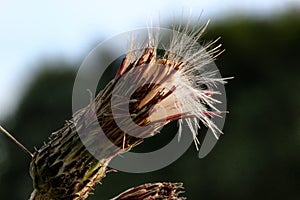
(152, 87)
(168, 84)
(153, 191)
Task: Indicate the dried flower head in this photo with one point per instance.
(153, 191)
(175, 82)
(151, 88)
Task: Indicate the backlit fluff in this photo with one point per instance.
(176, 79)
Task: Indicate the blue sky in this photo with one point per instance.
(32, 30)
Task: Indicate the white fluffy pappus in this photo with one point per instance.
(176, 72)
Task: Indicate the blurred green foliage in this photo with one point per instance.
(257, 158)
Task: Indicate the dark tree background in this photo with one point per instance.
(257, 158)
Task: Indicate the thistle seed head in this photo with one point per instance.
(153, 191)
(175, 83)
(161, 85)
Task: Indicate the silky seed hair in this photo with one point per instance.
(188, 100)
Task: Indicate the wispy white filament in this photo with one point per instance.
(189, 99)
